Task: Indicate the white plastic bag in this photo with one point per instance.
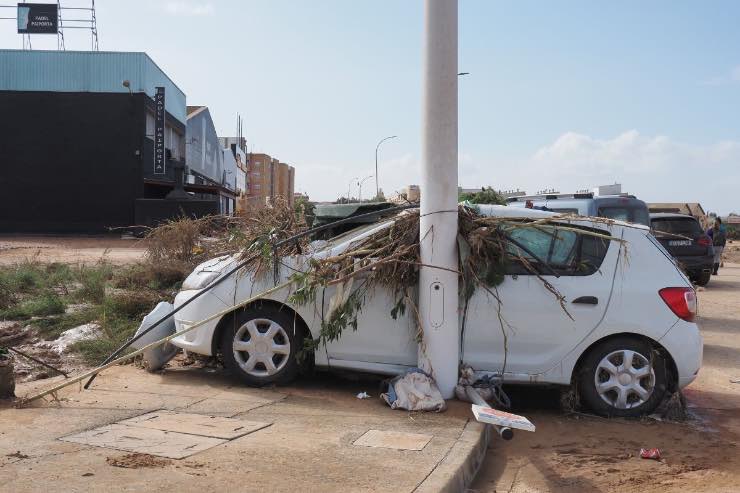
(414, 391)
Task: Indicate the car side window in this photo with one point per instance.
(536, 241)
(567, 252)
(563, 249)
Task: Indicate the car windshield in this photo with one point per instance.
(628, 214)
(677, 226)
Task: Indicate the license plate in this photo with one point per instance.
(679, 243)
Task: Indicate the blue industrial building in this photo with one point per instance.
(77, 144)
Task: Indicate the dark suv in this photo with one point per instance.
(685, 239)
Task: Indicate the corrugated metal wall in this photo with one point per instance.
(87, 71)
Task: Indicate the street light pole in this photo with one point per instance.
(377, 187)
(438, 278)
(360, 185)
(349, 187)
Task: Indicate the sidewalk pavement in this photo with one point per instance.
(296, 438)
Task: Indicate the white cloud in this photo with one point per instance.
(185, 8)
(655, 168)
(628, 152)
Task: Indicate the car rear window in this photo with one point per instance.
(677, 226)
(628, 214)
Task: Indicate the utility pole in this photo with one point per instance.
(377, 187)
(438, 290)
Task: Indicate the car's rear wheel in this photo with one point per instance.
(703, 278)
(623, 377)
(261, 343)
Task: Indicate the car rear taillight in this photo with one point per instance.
(704, 241)
(681, 301)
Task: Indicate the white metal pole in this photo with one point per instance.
(438, 291)
(359, 184)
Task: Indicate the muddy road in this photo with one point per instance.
(574, 452)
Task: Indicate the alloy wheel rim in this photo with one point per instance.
(261, 347)
(625, 379)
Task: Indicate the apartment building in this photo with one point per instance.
(268, 179)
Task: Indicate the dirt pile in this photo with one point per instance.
(137, 461)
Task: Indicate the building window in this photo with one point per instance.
(150, 124)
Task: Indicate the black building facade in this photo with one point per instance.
(82, 161)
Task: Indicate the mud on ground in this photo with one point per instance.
(70, 250)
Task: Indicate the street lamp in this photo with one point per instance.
(349, 186)
(377, 187)
(360, 185)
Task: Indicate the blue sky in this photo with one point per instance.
(567, 95)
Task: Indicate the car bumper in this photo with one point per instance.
(696, 263)
(685, 344)
(198, 340)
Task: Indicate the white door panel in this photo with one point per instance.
(539, 332)
(378, 338)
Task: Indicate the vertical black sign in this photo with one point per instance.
(159, 113)
(38, 18)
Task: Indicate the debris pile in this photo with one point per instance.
(137, 461)
(181, 244)
(71, 336)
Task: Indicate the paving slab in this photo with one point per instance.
(195, 424)
(393, 439)
(145, 441)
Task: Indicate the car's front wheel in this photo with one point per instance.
(260, 345)
(623, 377)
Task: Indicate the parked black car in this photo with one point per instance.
(685, 239)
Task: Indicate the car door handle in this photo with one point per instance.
(587, 300)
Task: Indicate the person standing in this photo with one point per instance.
(718, 234)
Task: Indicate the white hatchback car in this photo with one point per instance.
(629, 339)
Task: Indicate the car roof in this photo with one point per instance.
(523, 212)
(507, 211)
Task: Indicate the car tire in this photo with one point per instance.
(703, 278)
(261, 343)
(609, 387)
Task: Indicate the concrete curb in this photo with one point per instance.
(457, 470)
